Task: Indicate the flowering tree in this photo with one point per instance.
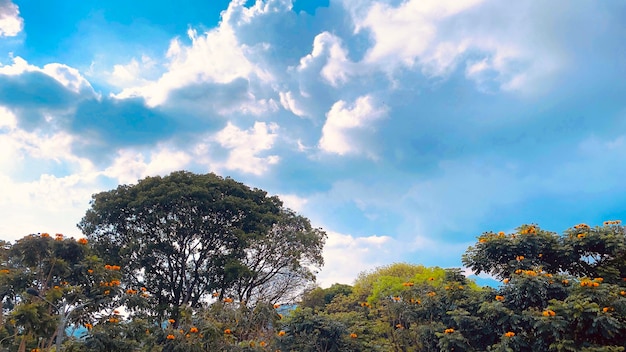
(48, 283)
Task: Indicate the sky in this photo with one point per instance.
(403, 128)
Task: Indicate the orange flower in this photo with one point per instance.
(548, 313)
(58, 237)
(431, 279)
(107, 267)
(407, 284)
(623, 293)
(131, 291)
(88, 326)
(106, 292)
(509, 334)
(448, 331)
(5, 271)
(607, 309)
(353, 335)
(116, 312)
(482, 240)
(506, 281)
(228, 300)
(396, 298)
(431, 294)
(501, 234)
(171, 321)
(581, 235)
(215, 294)
(143, 289)
(82, 241)
(519, 258)
(262, 343)
(276, 306)
(193, 329)
(227, 331)
(281, 333)
(170, 337)
(500, 298)
(113, 320)
(90, 271)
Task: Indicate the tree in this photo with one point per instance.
(47, 284)
(187, 236)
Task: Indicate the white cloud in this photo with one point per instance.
(215, 56)
(293, 202)
(345, 256)
(289, 103)
(47, 204)
(130, 166)
(246, 145)
(68, 76)
(11, 24)
(404, 33)
(132, 73)
(338, 133)
(7, 119)
(330, 56)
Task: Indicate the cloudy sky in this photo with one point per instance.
(404, 128)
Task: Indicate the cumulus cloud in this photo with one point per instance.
(344, 121)
(293, 202)
(245, 147)
(130, 166)
(11, 24)
(329, 58)
(345, 256)
(68, 76)
(215, 56)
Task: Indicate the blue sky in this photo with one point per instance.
(403, 128)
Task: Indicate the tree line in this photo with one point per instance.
(191, 262)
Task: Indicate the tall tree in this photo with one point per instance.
(185, 236)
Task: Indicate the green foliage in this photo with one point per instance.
(185, 236)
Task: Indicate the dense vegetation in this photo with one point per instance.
(200, 263)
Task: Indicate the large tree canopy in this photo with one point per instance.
(187, 236)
